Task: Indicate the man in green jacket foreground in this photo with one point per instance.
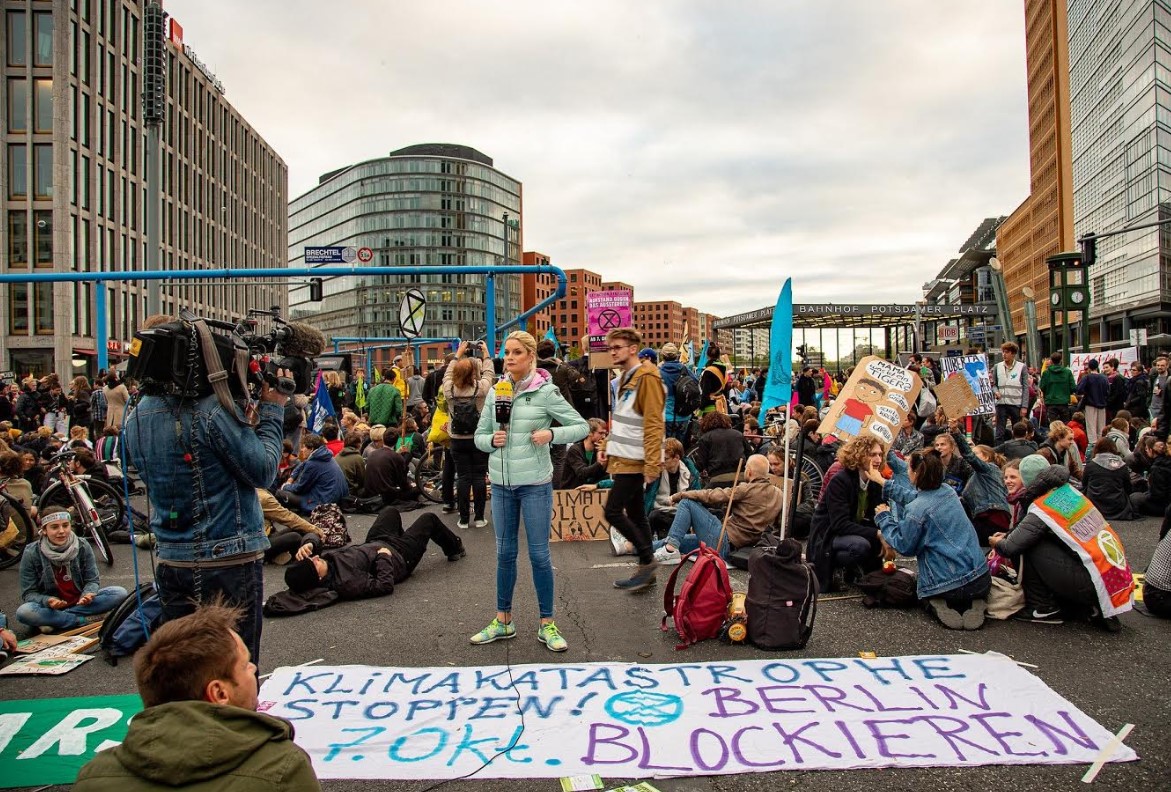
(200, 729)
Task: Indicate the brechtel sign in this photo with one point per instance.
(859, 309)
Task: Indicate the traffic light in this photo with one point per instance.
(1089, 245)
(315, 290)
(801, 350)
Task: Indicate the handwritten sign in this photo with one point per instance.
(48, 741)
(578, 516)
(955, 396)
(975, 371)
(1124, 355)
(683, 719)
(873, 401)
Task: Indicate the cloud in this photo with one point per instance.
(699, 151)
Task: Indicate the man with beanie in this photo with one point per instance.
(634, 451)
(671, 370)
(372, 569)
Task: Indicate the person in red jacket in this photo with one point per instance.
(1078, 424)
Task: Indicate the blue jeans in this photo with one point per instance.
(241, 585)
(535, 503)
(36, 615)
(694, 516)
(850, 549)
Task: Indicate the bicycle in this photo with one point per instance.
(18, 529)
(99, 506)
(429, 473)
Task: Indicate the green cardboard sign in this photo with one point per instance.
(47, 741)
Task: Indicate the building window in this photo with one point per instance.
(43, 238)
(43, 105)
(17, 105)
(17, 170)
(17, 239)
(18, 308)
(17, 38)
(43, 170)
(43, 308)
(43, 54)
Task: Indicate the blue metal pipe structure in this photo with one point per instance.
(101, 278)
(386, 342)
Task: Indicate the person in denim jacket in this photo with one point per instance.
(985, 496)
(953, 573)
(59, 582)
(202, 464)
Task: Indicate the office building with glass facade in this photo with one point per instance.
(1120, 93)
(424, 205)
(73, 190)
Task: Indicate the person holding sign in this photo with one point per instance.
(953, 574)
(515, 430)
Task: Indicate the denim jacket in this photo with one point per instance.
(985, 490)
(37, 583)
(212, 497)
(936, 531)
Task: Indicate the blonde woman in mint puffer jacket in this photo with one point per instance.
(521, 473)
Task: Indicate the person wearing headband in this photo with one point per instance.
(59, 584)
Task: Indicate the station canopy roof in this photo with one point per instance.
(847, 315)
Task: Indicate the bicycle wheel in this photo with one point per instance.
(17, 530)
(429, 474)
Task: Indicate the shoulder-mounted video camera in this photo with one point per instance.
(190, 356)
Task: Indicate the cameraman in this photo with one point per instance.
(202, 466)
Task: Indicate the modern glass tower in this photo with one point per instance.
(424, 205)
(1120, 95)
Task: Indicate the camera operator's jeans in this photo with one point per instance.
(533, 502)
(242, 585)
(36, 615)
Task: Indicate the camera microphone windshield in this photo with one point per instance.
(303, 340)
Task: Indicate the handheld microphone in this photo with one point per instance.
(503, 403)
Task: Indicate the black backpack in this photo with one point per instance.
(465, 415)
(889, 590)
(687, 394)
(782, 597)
(124, 630)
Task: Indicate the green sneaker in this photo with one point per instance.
(494, 632)
(551, 637)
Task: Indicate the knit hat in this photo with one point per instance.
(301, 576)
(669, 351)
(1031, 467)
(649, 354)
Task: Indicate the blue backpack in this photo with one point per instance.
(125, 629)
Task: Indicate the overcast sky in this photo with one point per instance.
(700, 151)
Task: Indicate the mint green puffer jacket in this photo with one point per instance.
(520, 462)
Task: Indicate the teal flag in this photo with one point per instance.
(702, 362)
(778, 389)
(551, 336)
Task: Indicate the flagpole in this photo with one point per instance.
(785, 492)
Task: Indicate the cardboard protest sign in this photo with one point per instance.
(625, 720)
(955, 396)
(874, 400)
(975, 370)
(578, 516)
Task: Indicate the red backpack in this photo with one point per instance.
(701, 607)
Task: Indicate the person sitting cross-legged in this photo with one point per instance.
(59, 579)
(315, 481)
(285, 530)
(756, 504)
(200, 729)
(371, 569)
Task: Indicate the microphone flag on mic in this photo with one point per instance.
(503, 391)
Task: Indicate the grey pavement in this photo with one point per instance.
(1115, 679)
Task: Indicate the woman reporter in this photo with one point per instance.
(521, 472)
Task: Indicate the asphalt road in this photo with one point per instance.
(1115, 679)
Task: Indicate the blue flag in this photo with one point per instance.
(690, 348)
(702, 362)
(778, 390)
(321, 407)
(551, 336)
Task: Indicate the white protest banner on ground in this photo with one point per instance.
(1125, 356)
(630, 721)
(975, 369)
(875, 399)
